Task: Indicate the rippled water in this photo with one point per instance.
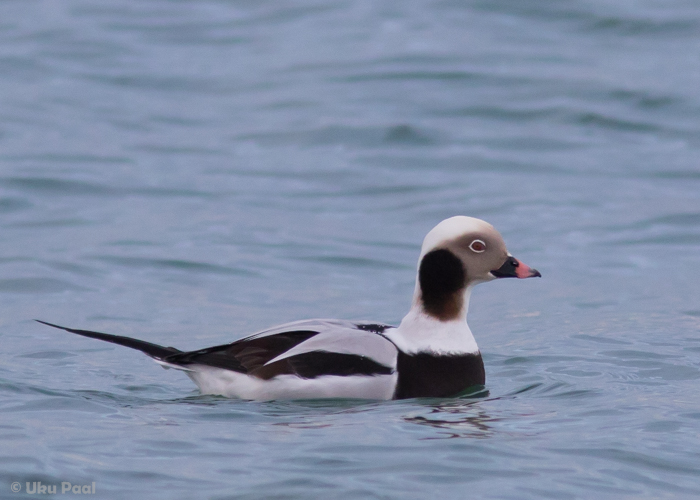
(188, 172)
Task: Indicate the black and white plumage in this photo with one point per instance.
(432, 353)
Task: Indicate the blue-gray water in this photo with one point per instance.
(188, 172)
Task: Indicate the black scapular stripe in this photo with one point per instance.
(318, 363)
(426, 375)
(372, 327)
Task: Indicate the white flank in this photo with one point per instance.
(238, 385)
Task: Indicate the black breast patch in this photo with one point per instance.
(426, 375)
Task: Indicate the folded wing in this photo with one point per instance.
(307, 349)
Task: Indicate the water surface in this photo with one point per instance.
(188, 172)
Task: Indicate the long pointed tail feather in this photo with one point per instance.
(153, 350)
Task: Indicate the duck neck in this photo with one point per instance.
(430, 329)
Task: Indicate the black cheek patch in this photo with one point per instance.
(441, 276)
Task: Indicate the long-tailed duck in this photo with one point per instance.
(432, 353)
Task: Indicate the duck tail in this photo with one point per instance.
(157, 352)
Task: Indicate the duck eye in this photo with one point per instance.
(477, 246)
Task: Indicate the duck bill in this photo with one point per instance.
(513, 268)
